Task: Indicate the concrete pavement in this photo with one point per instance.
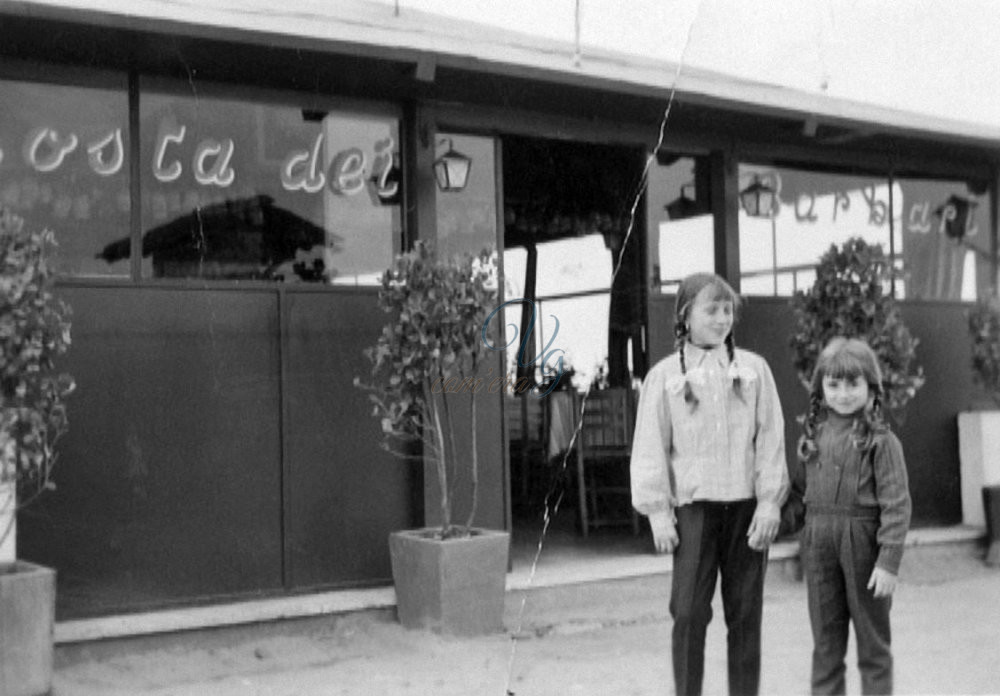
(600, 638)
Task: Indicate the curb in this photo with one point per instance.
(520, 581)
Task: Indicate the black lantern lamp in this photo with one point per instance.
(451, 169)
(957, 214)
(759, 199)
(683, 206)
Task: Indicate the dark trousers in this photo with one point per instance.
(713, 539)
(839, 555)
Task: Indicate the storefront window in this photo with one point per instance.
(943, 237)
(64, 166)
(467, 219)
(940, 231)
(779, 251)
(681, 239)
(244, 190)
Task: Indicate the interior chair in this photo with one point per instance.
(603, 449)
(526, 418)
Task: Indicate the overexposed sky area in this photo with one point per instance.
(939, 57)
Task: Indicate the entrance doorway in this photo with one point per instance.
(575, 256)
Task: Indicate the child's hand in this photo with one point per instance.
(882, 582)
(762, 532)
(665, 537)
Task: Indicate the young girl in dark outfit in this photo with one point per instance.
(857, 511)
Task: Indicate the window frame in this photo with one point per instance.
(266, 96)
(856, 163)
(42, 73)
(133, 84)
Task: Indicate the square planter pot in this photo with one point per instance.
(27, 621)
(979, 460)
(455, 586)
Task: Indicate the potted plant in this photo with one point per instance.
(850, 297)
(424, 386)
(979, 428)
(33, 331)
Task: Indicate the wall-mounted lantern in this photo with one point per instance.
(957, 216)
(451, 169)
(759, 199)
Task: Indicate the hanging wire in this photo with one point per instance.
(551, 507)
(824, 74)
(577, 58)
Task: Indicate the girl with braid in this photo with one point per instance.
(708, 469)
(852, 479)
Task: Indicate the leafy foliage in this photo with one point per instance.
(427, 356)
(850, 298)
(984, 332)
(34, 331)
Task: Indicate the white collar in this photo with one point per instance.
(696, 356)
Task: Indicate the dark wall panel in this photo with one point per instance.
(929, 432)
(168, 481)
(344, 493)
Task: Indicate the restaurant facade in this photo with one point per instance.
(226, 187)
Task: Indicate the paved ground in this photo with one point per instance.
(600, 638)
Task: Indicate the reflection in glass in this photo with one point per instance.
(248, 238)
(245, 191)
(943, 239)
(467, 219)
(815, 210)
(940, 231)
(63, 166)
(680, 219)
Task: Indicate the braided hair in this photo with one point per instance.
(686, 294)
(844, 358)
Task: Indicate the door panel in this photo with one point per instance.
(344, 494)
(167, 487)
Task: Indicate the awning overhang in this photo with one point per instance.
(429, 42)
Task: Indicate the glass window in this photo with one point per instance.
(240, 189)
(779, 251)
(682, 236)
(467, 219)
(64, 166)
(942, 239)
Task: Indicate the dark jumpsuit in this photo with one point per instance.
(857, 514)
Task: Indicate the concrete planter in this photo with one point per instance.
(27, 621)
(456, 586)
(979, 460)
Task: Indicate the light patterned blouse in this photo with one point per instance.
(730, 446)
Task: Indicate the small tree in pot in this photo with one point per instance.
(34, 331)
(424, 383)
(850, 297)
